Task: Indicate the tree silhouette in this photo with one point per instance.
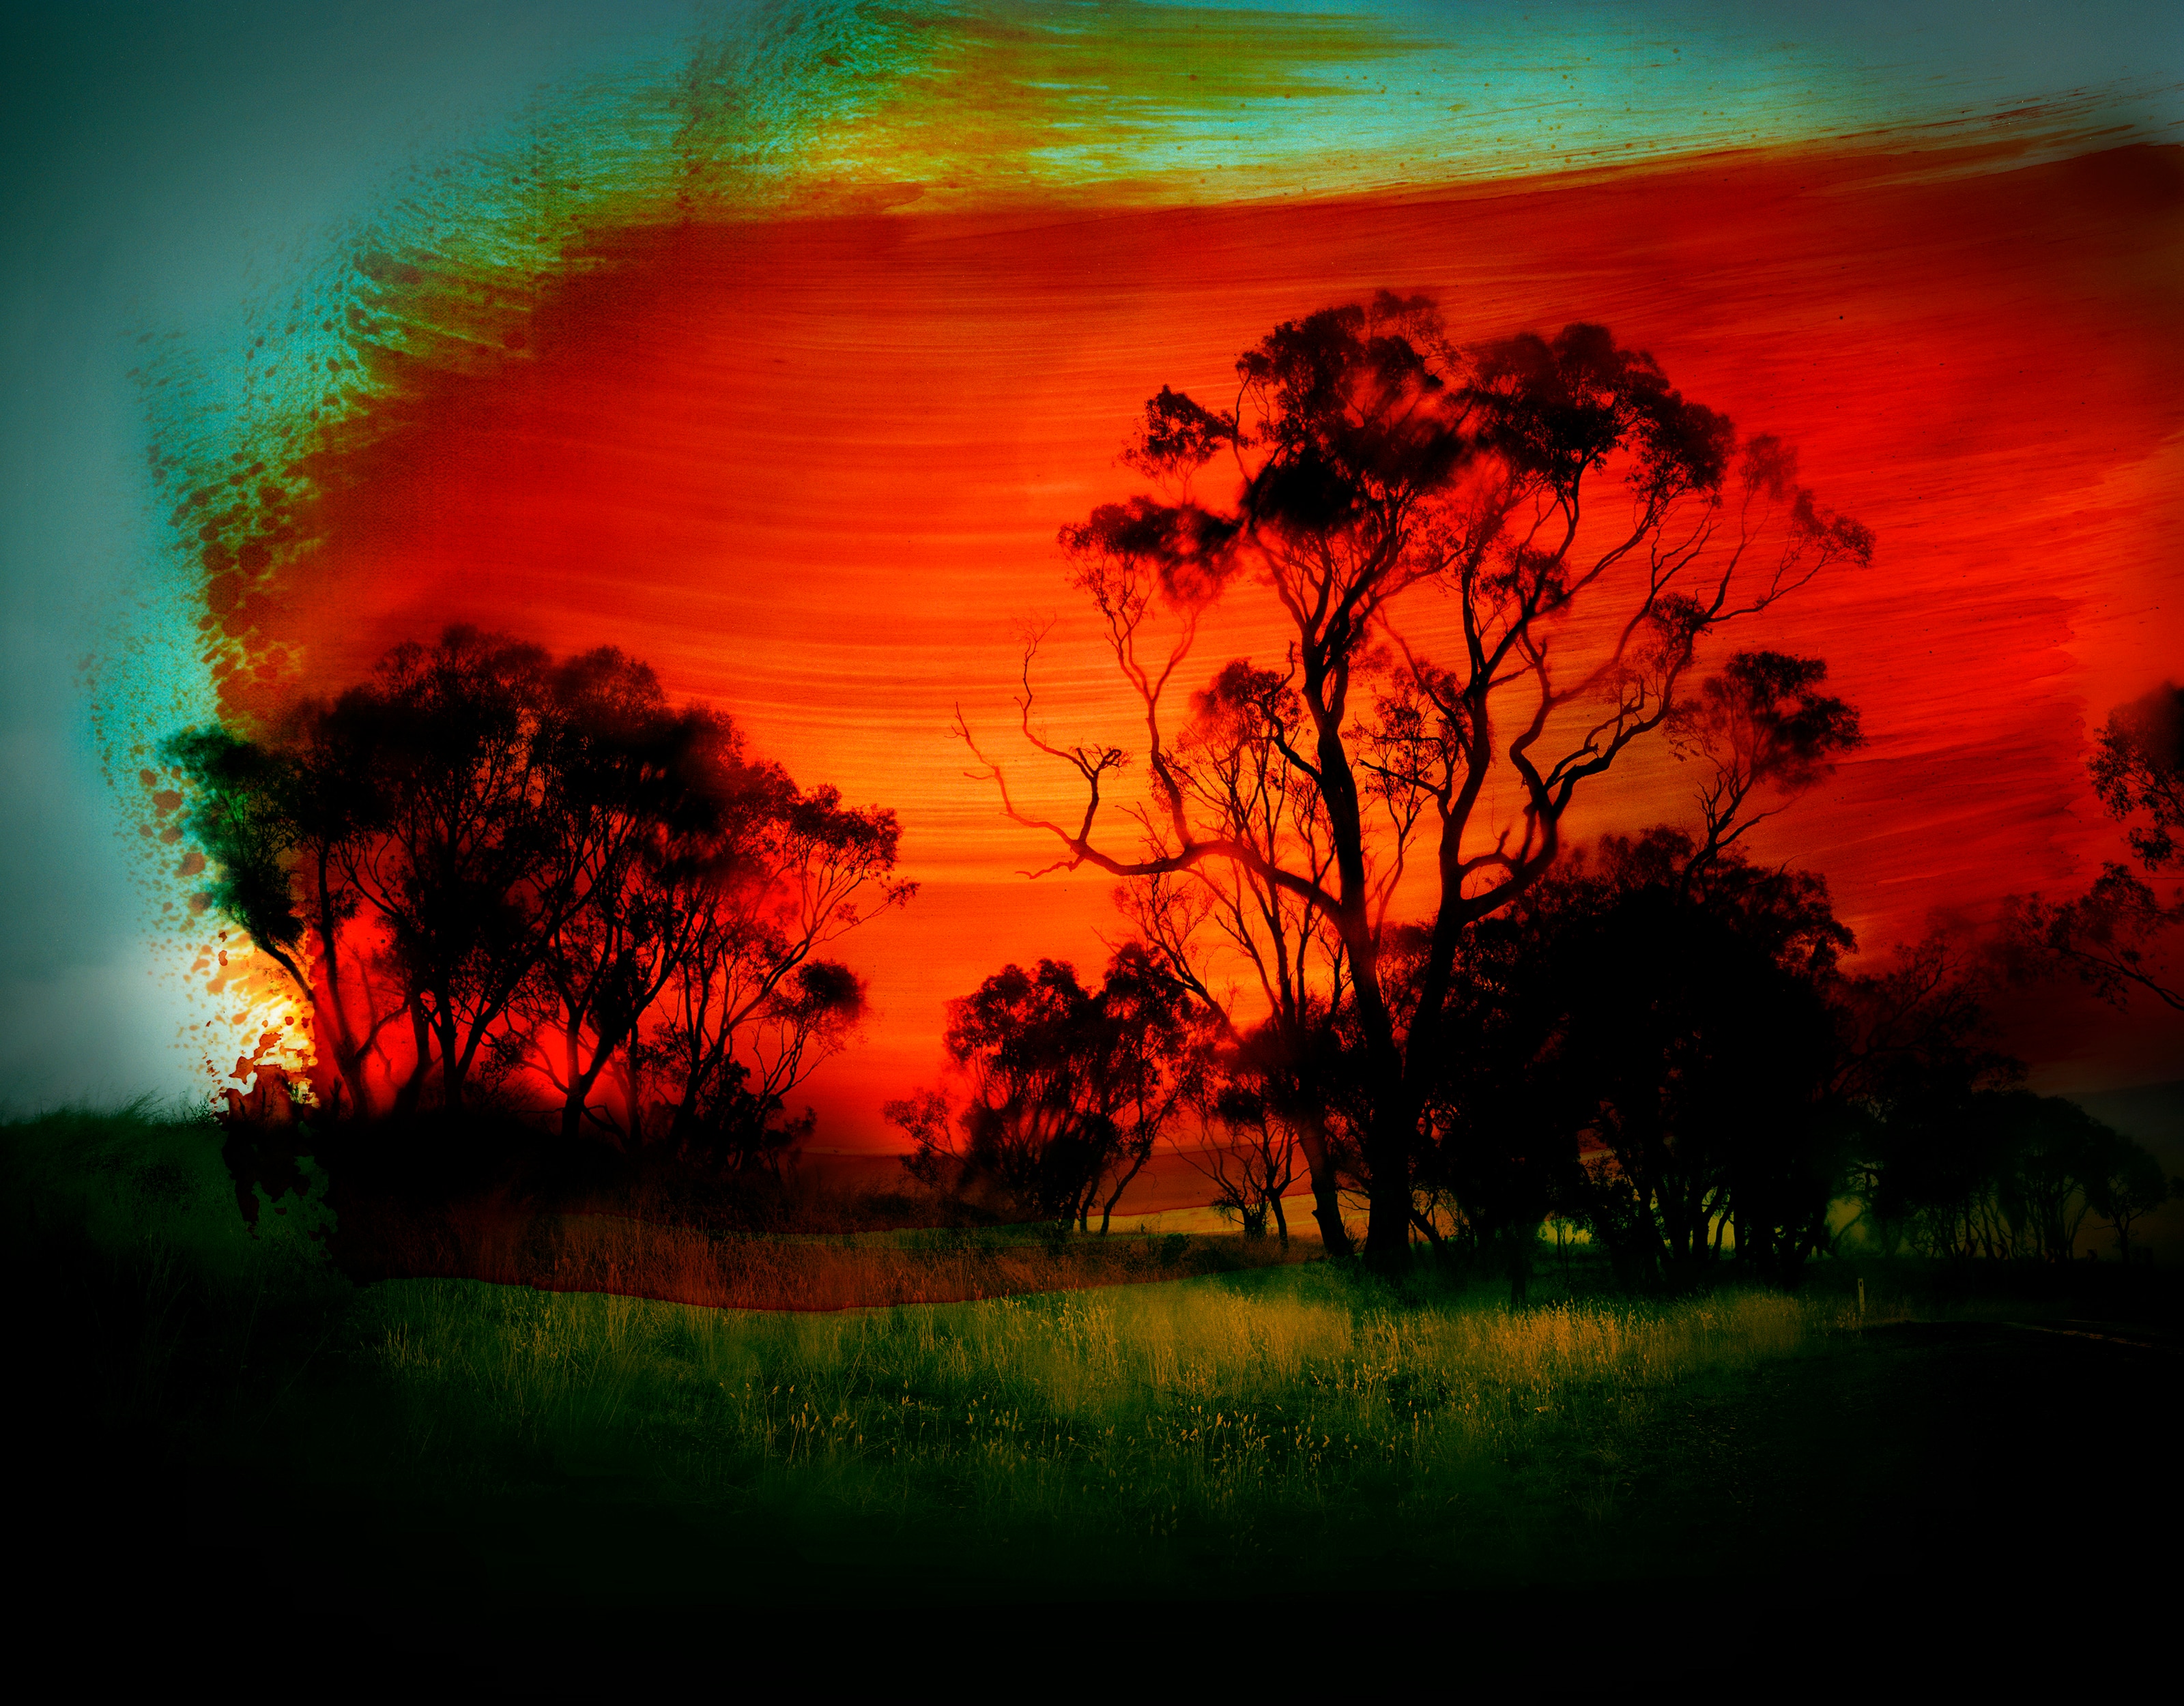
(464, 863)
(1643, 1043)
(2056, 1155)
(1372, 457)
(1070, 1088)
(752, 1007)
(1762, 725)
(554, 876)
(1994, 1172)
(1919, 1067)
(1229, 761)
(1253, 1095)
(2125, 1185)
(2110, 937)
(655, 810)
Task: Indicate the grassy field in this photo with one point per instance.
(1286, 1429)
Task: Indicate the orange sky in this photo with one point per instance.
(812, 471)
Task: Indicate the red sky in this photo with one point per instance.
(812, 471)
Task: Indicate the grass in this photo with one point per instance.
(1298, 1425)
(1143, 1434)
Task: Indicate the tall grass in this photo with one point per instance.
(1147, 1433)
(1277, 1423)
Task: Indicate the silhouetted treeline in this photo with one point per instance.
(491, 872)
(1349, 855)
(1376, 463)
(1656, 1046)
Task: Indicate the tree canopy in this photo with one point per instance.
(1581, 526)
(2114, 937)
(486, 863)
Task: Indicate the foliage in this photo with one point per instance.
(549, 877)
(1997, 1173)
(1526, 481)
(2125, 1183)
(2137, 770)
(1069, 1088)
(2113, 937)
(1647, 1048)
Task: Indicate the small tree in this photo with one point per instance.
(1229, 760)
(1762, 725)
(1651, 1047)
(2125, 1187)
(2112, 938)
(1919, 1071)
(1253, 1163)
(1070, 1088)
(753, 1006)
(2056, 1154)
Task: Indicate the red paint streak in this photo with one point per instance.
(812, 472)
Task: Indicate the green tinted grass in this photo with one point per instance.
(1202, 1434)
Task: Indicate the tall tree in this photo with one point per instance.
(1584, 526)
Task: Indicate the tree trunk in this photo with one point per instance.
(405, 1099)
(1520, 1240)
(453, 1066)
(1107, 1208)
(1326, 1192)
(578, 1101)
(1388, 1155)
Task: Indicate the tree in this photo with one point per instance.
(1645, 1042)
(273, 819)
(1229, 761)
(2055, 1153)
(653, 811)
(1763, 725)
(554, 875)
(1249, 1094)
(752, 1007)
(1706, 1058)
(1070, 1088)
(1375, 458)
(463, 860)
(2110, 937)
(2126, 1185)
(1918, 1070)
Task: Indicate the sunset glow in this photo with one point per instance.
(808, 458)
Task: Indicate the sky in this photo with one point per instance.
(772, 344)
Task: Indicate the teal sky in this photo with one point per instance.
(175, 175)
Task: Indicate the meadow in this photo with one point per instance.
(1276, 1428)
